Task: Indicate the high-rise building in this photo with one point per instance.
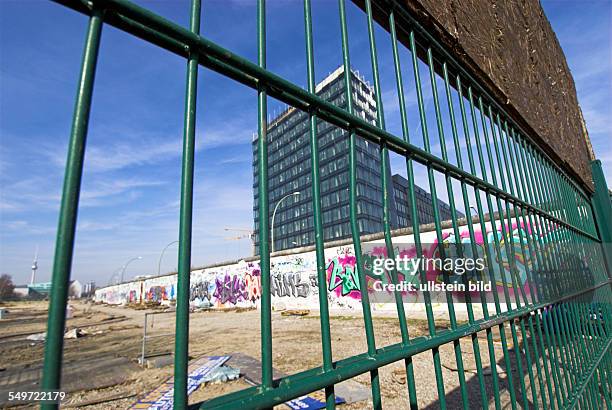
(424, 204)
(289, 172)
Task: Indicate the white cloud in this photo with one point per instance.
(6, 205)
(30, 193)
(240, 159)
(38, 193)
(23, 227)
(107, 191)
(130, 148)
(597, 112)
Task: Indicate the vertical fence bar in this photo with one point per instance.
(181, 350)
(602, 207)
(505, 154)
(466, 205)
(553, 264)
(565, 238)
(330, 401)
(470, 155)
(512, 174)
(497, 245)
(410, 381)
(385, 171)
(384, 168)
(64, 247)
(523, 229)
(489, 258)
(550, 197)
(534, 255)
(422, 116)
(264, 229)
(518, 289)
(365, 300)
(545, 269)
(438, 227)
(507, 236)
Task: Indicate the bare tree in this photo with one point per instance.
(6, 287)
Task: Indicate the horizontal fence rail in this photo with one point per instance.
(554, 325)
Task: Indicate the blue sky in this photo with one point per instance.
(131, 180)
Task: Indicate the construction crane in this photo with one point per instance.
(248, 234)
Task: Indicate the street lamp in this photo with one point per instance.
(114, 276)
(296, 193)
(126, 265)
(162, 255)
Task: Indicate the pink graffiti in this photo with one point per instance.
(342, 276)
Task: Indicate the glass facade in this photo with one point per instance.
(424, 204)
(289, 171)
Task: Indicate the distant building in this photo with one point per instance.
(424, 204)
(39, 290)
(42, 290)
(289, 171)
(75, 289)
(89, 289)
(21, 291)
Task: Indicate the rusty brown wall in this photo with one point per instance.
(510, 46)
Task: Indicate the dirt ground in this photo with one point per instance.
(115, 333)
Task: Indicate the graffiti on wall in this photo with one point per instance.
(294, 278)
(342, 276)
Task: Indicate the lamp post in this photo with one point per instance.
(162, 255)
(474, 209)
(296, 193)
(114, 276)
(126, 265)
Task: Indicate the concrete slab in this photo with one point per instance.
(250, 369)
(107, 370)
(157, 361)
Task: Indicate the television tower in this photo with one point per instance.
(34, 266)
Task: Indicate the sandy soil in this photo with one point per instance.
(117, 331)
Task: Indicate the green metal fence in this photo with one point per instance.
(563, 321)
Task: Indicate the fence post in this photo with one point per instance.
(144, 341)
(62, 262)
(181, 351)
(602, 207)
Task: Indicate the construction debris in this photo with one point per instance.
(71, 334)
(37, 337)
(157, 361)
(221, 375)
(163, 396)
(295, 312)
(69, 312)
(399, 376)
(348, 391)
(101, 400)
(75, 333)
